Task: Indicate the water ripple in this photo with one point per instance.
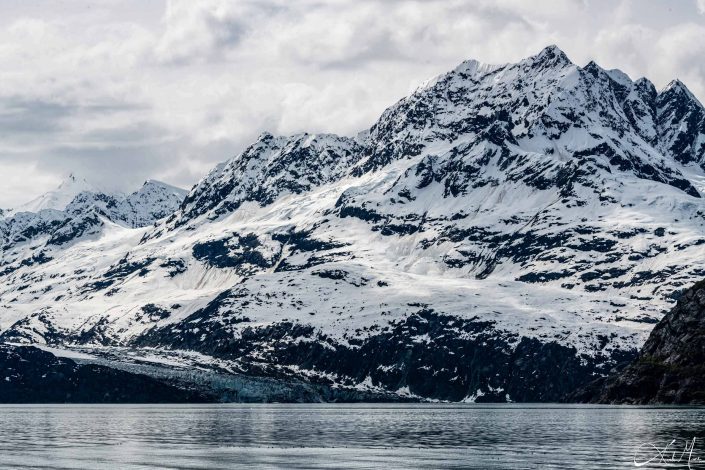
(344, 436)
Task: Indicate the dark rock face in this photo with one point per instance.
(30, 375)
(430, 355)
(240, 252)
(670, 368)
(121, 270)
(75, 228)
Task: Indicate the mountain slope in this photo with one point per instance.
(506, 232)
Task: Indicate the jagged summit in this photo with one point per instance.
(681, 123)
(551, 56)
(470, 68)
(647, 88)
(153, 201)
(552, 50)
(57, 198)
(678, 88)
(151, 183)
(536, 105)
(592, 65)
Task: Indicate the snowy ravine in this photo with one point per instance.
(506, 232)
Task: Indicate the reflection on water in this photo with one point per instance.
(347, 436)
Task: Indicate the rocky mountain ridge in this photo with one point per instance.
(71, 211)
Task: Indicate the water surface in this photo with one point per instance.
(347, 436)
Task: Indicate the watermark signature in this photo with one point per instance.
(671, 455)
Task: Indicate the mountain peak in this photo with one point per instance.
(551, 56)
(72, 180)
(677, 87)
(152, 184)
(644, 83)
(682, 120)
(59, 197)
(594, 69)
(675, 84)
(265, 136)
(473, 68)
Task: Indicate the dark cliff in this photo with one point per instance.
(30, 375)
(670, 368)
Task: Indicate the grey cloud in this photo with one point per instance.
(136, 133)
(22, 117)
(19, 117)
(127, 162)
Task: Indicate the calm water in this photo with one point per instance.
(345, 436)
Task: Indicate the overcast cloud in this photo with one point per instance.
(124, 90)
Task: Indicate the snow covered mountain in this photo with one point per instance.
(506, 232)
(27, 237)
(153, 201)
(58, 198)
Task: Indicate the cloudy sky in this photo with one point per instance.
(124, 90)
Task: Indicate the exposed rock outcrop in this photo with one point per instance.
(670, 368)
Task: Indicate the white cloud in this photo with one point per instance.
(200, 30)
(166, 90)
(701, 6)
